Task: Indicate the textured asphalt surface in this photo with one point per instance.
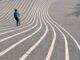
(47, 31)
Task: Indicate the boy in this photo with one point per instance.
(16, 16)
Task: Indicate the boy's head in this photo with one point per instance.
(15, 10)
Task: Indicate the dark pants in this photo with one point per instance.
(17, 21)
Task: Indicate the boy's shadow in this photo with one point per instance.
(76, 12)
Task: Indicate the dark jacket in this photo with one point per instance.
(16, 14)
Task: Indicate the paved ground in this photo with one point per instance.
(40, 37)
(62, 10)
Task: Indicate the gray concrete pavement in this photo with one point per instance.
(40, 37)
